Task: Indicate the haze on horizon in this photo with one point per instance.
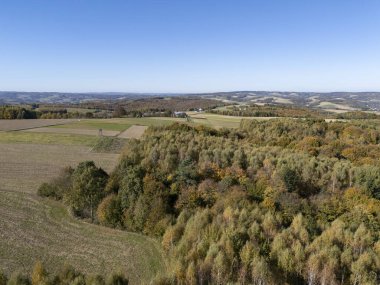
(189, 46)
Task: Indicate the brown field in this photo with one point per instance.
(87, 132)
(15, 125)
(33, 228)
(134, 132)
(23, 167)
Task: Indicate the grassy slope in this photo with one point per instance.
(35, 229)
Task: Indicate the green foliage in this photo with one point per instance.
(109, 211)
(88, 183)
(12, 113)
(67, 276)
(59, 186)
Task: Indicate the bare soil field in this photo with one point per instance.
(15, 125)
(87, 132)
(23, 167)
(134, 132)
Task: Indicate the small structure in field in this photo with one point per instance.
(180, 114)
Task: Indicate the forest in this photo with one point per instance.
(273, 202)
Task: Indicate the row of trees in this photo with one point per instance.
(13, 113)
(264, 204)
(18, 113)
(67, 275)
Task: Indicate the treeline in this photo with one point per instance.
(67, 275)
(18, 113)
(356, 115)
(273, 202)
(272, 111)
(13, 113)
(162, 106)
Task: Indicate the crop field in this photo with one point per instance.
(32, 228)
(14, 125)
(77, 131)
(23, 167)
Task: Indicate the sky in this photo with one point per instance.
(189, 45)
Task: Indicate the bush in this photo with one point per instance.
(3, 279)
(117, 279)
(18, 279)
(47, 190)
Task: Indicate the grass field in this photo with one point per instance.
(47, 138)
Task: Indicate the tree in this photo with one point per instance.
(109, 211)
(88, 188)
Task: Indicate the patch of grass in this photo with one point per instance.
(47, 138)
(109, 144)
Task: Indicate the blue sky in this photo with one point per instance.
(189, 46)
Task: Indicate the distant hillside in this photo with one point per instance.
(334, 102)
(16, 97)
